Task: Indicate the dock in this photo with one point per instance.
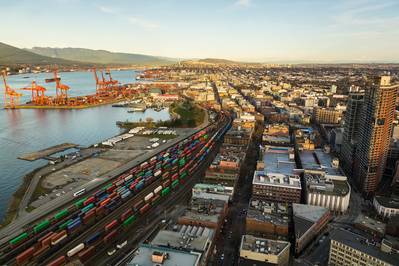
(33, 156)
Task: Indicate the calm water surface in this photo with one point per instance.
(23, 131)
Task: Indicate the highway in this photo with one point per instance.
(17, 226)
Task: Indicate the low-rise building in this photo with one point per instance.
(308, 222)
(188, 238)
(276, 134)
(326, 186)
(386, 206)
(275, 178)
(369, 225)
(267, 218)
(149, 255)
(255, 250)
(348, 248)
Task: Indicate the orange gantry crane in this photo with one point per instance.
(100, 85)
(11, 97)
(38, 96)
(61, 97)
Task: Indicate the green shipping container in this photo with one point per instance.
(165, 191)
(79, 203)
(129, 220)
(61, 214)
(19, 238)
(65, 225)
(107, 186)
(175, 183)
(41, 226)
(183, 175)
(140, 174)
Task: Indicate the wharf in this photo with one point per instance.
(33, 156)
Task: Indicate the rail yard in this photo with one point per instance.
(97, 217)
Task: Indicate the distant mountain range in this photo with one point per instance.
(101, 56)
(10, 55)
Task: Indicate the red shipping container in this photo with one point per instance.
(145, 208)
(40, 251)
(111, 235)
(58, 236)
(86, 254)
(111, 225)
(46, 240)
(138, 205)
(166, 183)
(100, 210)
(111, 188)
(175, 176)
(89, 200)
(126, 214)
(57, 262)
(88, 217)
(25, 256)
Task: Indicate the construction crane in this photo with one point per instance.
(38, 96)
(100, 85)
(11, 97)
(61, 89)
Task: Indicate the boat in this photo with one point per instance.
(136, 109)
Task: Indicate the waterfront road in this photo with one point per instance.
(17, 225)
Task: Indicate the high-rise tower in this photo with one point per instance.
(351, 131)
(375, 132)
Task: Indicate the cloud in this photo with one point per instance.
(142, 23)
(106, 9)
(242, 3)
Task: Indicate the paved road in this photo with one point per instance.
(17, 226)
(85, 153)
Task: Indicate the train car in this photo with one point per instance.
(138, 205)
(145, 208)
(166, 183)
(40, 251)
(157, 189)
(175, 183)
(105, 202)
(111, 225)
(61, 214)
(155, 200)
(86, 254)
(126, 195)
(165, 191)
(75, 250)
(40, 227)
(80, 202)
(129, 177)
(157, 173)
(93, 238)
(19, 239)
(74, 225)
(175, 177)
(89, 216)
(79, 192)
(148, 197)
(25, 256)
(110, 235)
(89, 200)
(129, 221)
(58, 261)
(46, 239)
(111, 189)
(99, 193)
(126, 214)
(100, 211)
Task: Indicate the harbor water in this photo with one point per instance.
(26, 130)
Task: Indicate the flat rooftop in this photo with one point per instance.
(263, 245)
(318, 159)
(213, 188)
(175, 257)
(326, 184)
(269, 212)
(370, 223)
(279, 160)
(362, 244)
(276, 179)
(186, 237)
(305, 216)
(388, 202)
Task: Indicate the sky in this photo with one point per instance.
(244, 30)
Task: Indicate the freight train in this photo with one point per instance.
(168, 170)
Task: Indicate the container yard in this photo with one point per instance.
(100, 217)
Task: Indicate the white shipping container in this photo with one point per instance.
(158, 189)
(128, 177)
(75, 250)
(157, 173)
(148, 197)
(59, 240)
